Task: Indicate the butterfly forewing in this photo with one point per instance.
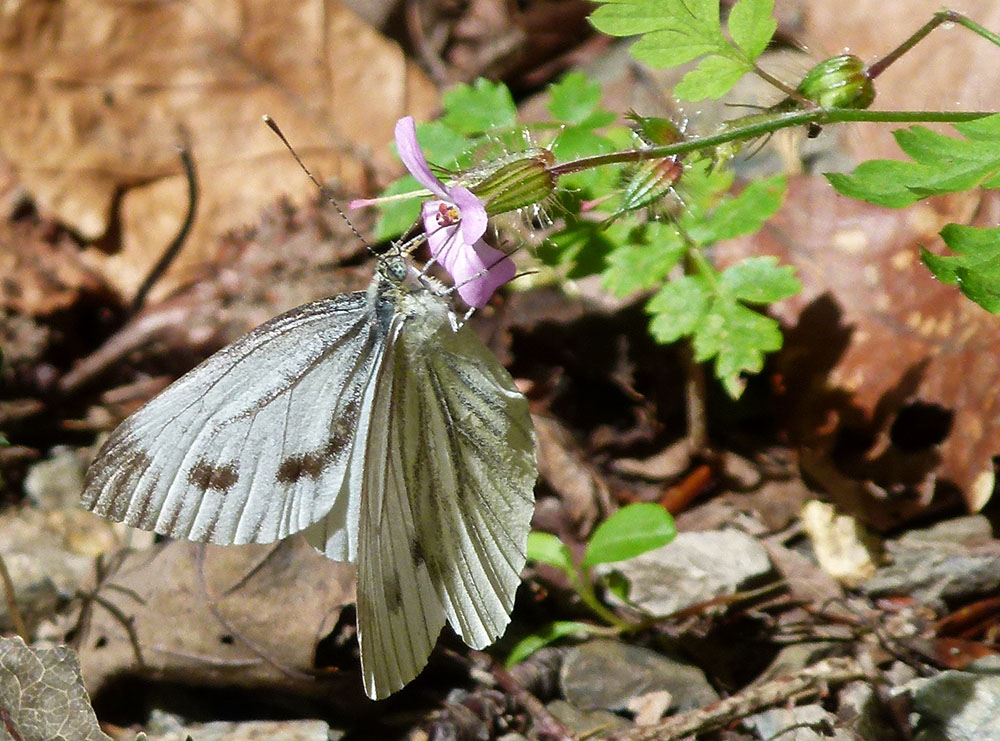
(254, 443)
(447, 496)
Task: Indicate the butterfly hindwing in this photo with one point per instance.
(447, 506)
(254, 443)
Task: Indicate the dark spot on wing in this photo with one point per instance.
(393, 594)
(295, 467)
(298, 466)
(205, 476)
(417, 553)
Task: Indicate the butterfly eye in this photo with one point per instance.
(393, 268)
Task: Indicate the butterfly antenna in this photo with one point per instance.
(271, 124)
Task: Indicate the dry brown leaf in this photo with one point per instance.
(879, 345)
(40, 276)
(95, 94)
(42, 695)
(247, 616)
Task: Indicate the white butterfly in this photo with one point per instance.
(373, 423)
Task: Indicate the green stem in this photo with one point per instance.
(762, 128)
(942, 16)
(584, 586)
(784, 87)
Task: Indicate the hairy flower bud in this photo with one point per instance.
(654, 131)
(648, 183)
(522, 180)
(838, 82)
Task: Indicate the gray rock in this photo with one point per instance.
(957, 706)
(801, 723)
(969, 530)
(586, 723)
(859, 711)
(937, 571)
(695, 567)
(609, 675)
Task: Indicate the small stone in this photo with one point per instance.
(586, 723)
(801, 723)
(609, 675)
(956, 706)
(843, 548)
(694, 568)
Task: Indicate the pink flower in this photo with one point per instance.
(455, 223)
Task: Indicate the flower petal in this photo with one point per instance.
(479, 271)
(413, 158)
(444, 238)
(473, 214)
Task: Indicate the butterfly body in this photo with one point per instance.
(374, 424)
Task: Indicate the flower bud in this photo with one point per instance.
(509, 185)
(654, 131)
(838, 82)
(648, 183)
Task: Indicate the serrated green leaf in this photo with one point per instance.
(549, 634)
(975, 267)
(759, 280)
(665, 49)
(629, 532)
(986, 128)
(677, 309)
(676, 31)
(476, 108)
(712, 78)
(882, 182)
(574, 98)
(643, 262)
(737, 338)
(547, 548)
(743, 214)
(751, 24)
(941, 164)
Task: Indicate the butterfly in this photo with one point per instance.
(375, 423)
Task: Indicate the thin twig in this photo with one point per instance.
(170, 254)
(813, 680)
(545, 724)
(12, 607)
(127, 622)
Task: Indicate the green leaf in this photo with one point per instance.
(574, 98)
(975, 267)
(397, 216)
(712, 78)
(644, 261)
(882, 182)
(477, 108)
(582, 247)
(630, 531)
(547, 548)
(751, 24)
(941, 164)
(744, 214)
(676, 31)
(759, 280)
(737, 338)
(549, 634)
(678, 308)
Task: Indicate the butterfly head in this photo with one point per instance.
(392, 268)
